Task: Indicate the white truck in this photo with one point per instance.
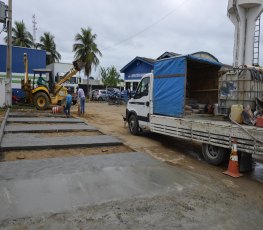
(176, 99)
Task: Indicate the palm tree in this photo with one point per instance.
(47, 43)
(20, 35)
(87, 51)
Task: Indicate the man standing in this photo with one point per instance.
(81, 97)
(68, 104)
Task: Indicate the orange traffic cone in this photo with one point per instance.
(57, 109)
(233, 168)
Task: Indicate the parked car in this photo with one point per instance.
(113, 90)
(93, 94)
(102, 95)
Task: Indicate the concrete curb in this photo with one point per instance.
(2, 128)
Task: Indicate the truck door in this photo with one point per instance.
(140, 103)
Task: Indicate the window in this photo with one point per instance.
(143, 88)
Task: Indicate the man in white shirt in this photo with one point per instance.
(81, 97)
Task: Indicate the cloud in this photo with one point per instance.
(126, 29)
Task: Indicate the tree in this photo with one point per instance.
(20, 35)
(47, 43)
(87, 51)
(110, 76)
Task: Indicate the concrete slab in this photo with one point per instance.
(34, 114)
(35, 187)
(19, 141)
(43, 120)
(48, 128)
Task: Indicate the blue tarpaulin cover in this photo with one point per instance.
(168, 87)
(169, 84)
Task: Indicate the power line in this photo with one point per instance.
(147, 28)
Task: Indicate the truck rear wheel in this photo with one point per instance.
(133, 125)
(214, 155)
(41, 101)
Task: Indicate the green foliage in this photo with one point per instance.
(86, 49)
(47, 43)
(110, 76)
(20, 35)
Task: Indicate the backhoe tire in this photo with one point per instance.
(41, 101)
(215, 155)
(133, 125)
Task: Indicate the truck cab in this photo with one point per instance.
(139, 106)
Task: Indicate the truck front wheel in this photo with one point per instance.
(41, 101)
(214, 155)
(133, 125)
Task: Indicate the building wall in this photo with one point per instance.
(60, 68)
(137, 70)
(36, 60)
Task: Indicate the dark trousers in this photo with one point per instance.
(82, 105)
(67, 110)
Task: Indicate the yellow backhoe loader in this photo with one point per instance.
(45, 95)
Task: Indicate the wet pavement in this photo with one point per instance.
(20, 141)
(30, 188)
(19, 133)
(43, 120)
(44, 128)
(122, 191)
(35, 114)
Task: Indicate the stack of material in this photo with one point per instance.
(195, 108)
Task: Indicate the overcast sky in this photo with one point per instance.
(129, 28)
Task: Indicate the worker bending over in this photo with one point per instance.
(68, 103)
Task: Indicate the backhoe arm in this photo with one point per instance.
(78, 65)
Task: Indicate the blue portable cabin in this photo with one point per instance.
(184, 80)
(36, 60)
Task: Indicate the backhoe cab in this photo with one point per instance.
(43, 89)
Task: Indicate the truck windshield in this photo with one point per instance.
(143, 88)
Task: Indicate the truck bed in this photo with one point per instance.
(210, 131)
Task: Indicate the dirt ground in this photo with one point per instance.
(40, 154)
(2, 115)
(220, 202)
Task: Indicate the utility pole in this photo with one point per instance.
(9, 56)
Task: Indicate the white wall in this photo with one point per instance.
(2, 92)
(59, 67)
